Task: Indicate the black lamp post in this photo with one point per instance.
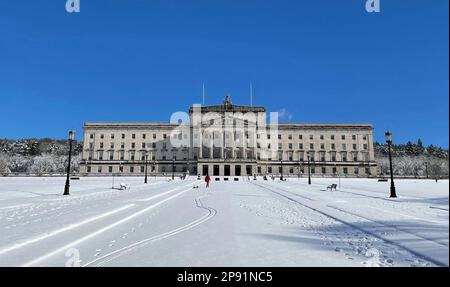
(388, 136)
(281, 172)
(309, 170)
(173, 167)
(67, 186)
(146, 164)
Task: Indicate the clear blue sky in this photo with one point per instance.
(141, 60)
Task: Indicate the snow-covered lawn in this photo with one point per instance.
(234, 223)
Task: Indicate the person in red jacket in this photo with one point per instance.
(207, 180)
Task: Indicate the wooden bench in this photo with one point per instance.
(330, 187)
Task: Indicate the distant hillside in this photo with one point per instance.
(37, 155)
(413, 159)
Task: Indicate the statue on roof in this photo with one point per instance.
(227, 101)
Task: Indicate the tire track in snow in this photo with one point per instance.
(387, 225)
(101, 230)
(122, 251)
(354, 226)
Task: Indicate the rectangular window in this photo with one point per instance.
(321, 137)
(311, 146)
(154, 136)
(322, 146)
(290, 146)
(324, 170)
(343, 137)
(143, 136)
(354, 137)
(332, 137)
(122, 145)
(311, 137)
(133, 145)
(109, 169)
(91, 136)
(365, 146)
(123, 136)
(290, 137)
(131, 169)
(99, 169)
(300, 146)
(344, 146)
(102, 136)
(133, 136)
(111, 145)
(345, 170)
(333, 146)
(142, 168)
(101, 145)
(112, 136)
(88, 169)
(354, 146)
(300, 137)
(143, 145)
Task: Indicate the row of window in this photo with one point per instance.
(238, 154)
(258, 145)
(152, 169)
(123, 136)
(258, 136)
(132, 169)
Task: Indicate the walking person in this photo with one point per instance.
(207, 180)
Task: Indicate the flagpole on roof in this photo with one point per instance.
(203, 93)
(251, 94)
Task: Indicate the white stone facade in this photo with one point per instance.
(234, 140)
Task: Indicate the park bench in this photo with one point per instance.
(332, 186)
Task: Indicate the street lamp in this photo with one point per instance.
(338, 174)
(146, 163)
(67, 186)
(173, 166)
(388, 136)
(281, 172)
(309, 170)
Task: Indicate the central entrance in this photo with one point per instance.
(237, 170)
(216, 170)
(226, 170)
(249, 169)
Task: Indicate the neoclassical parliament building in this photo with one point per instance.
(228, 140)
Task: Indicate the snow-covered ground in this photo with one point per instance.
(234, 223)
